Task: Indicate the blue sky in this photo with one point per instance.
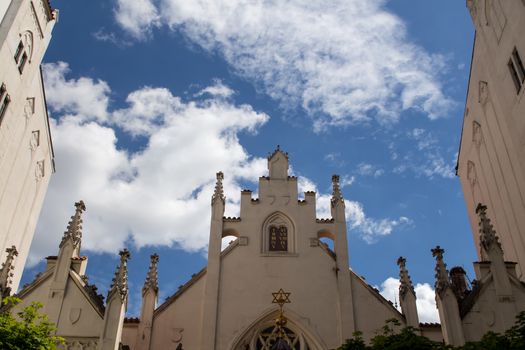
(150, 98)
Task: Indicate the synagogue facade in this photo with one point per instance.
(277, 284)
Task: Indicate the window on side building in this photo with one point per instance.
(4, 101)
(517, 71)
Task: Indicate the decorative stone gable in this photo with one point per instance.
(74, 228)
(6, 272)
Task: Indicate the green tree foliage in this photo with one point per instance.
(30, 330)
(407, 339)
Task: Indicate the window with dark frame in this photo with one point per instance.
(517, 71)
(21, 56)
(278, 239)
(4, 101)
(18, 52)
(22, 63)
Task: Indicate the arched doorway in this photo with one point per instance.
(263, 335)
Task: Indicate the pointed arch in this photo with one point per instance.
(278, 235)
(307, 337)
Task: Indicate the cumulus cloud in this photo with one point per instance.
(425, 302)
(343, 62)
(370, 229)
(218, 89)
(158, 195)
(137, 17)
(85, 97)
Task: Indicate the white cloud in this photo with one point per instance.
(84, 97)
(425, 302)
(370, 229)
(159, 195)
(344, 62)
(137, 17)
(365, 169)
(218, 89)
(428, 161)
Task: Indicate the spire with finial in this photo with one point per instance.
(74, 228)
(5, 272)
(152, 279)
(405, 285)
(488, 238)
(120, 281)
(442, 281)
(337, 196)
(218, 194)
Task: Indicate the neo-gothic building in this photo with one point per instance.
(277, 282)
(26, 151)
(491, 163)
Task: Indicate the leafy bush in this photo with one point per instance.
(29, 331)
(408, 339)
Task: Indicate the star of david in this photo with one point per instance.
(281, 297)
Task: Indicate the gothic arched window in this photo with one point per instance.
(278, 238)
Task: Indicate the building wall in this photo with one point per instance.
(3, 8)
(248, 272)
(491, 163)
(26, 155)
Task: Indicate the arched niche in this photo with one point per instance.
(229, 236)
(278, 235)
(258, 334)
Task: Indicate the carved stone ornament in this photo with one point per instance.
(243, 240)
(92, 345)
(442, 281)
(477, 136)
(152, 276)
(74, 227)
(471, 173)
(483, 92)
(34, 141)
(218, 194)
(74, 346)
(39, 170)
(405, 285)
(74, 314)
(176, 335)
(337, 196)
(120, 281)
(488, 238)
(29, 107)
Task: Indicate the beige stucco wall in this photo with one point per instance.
(183, 313)
(493, 312)
(22, 188)
(491, 163)
(249, 273)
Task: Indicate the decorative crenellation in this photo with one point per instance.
(442, 280)
(5, 272)
(337, 196)
(404, 279)
(152, 276)
(278, 149)
(218, 194)
(120, 281)
(488, 239)
(231, 219)
(74, 227)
